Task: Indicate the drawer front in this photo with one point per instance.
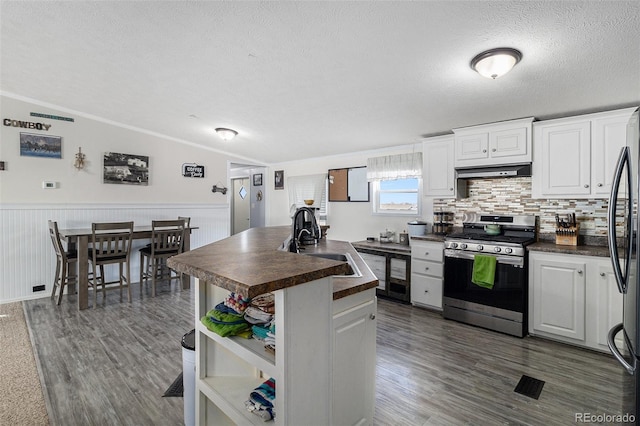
(430, 251)
(426, 267)
(426, 290)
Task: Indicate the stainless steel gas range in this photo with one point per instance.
(485, 237)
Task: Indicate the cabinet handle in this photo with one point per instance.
(579, 271)
(602, 274)
(426, 291)
(450, 189)
(372, 316)
(586, 185)
(484, 150)
(426, 268)
(426, 253)
(600, 185)
(493, 150)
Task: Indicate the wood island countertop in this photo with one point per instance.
(249, 263)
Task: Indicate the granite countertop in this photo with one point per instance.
(249, 263)
(384, 247)
(582, 250)
(429, 237)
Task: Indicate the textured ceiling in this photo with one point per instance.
(307, 79)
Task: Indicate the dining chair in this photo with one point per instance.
(111, 244)
(166, 241)
(64, 261)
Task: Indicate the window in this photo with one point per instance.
(396, 184)
(397, 196)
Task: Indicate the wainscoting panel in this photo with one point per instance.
(27, 258)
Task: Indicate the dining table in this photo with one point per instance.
(78, 239)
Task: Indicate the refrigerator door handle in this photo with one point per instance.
(611, 217)
(616, 352)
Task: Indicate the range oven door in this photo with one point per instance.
(509, 291)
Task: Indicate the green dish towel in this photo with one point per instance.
(484, 270)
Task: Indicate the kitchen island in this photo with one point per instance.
(324, 363)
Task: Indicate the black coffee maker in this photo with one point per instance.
(305, 229)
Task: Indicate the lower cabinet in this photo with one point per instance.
(354, 360)
(427, 272)
(573, 298)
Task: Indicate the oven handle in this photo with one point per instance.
(508, 260)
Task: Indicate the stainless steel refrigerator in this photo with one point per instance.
(623, 245)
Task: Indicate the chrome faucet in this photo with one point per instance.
(296, 233)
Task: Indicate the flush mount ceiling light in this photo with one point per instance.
(494, 63)
(226, 134)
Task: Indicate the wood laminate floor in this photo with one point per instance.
(111, 365)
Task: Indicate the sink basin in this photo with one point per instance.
(340, 257)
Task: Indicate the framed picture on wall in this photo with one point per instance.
(126, 169)
(257, 179)
(279, 179)
(35, 145)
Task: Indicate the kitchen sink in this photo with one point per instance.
(340, 257)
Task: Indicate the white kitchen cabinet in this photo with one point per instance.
(314, 351)
(573, 299)
(438, 173)
(576, 156)
(427, 273)
(557, 296)
(506, 142)
(354, 366)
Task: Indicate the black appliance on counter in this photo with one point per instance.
(625, 192)
(502, 308)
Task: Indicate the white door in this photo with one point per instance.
(240, 217)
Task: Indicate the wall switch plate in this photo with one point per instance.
(49, 185)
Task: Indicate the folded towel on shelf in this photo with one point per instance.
(226, 324)
(259, 332)
(237, 302)
(484, 270)
(256, 316)
(265, 302)
(260, 400)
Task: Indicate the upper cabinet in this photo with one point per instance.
(576, 156)
(438, 174)
(506, 142)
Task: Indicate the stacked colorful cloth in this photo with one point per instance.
(226, 322)
(265, 302)
(254, 315)
(260, 401)
(236, 302)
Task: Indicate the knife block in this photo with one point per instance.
(567, 236)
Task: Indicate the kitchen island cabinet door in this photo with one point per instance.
(354, 367)
(557, 288)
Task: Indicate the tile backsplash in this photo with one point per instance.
(513, 196)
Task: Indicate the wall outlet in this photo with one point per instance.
(46, 184)
(38, 288)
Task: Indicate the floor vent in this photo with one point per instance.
(528, 386)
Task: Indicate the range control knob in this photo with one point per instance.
(454, 245)
(508, 250)
(480, 247)
(497, 249)
(463, 246)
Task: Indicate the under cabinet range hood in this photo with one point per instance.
(513, 170)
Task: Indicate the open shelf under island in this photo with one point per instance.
(324, 364)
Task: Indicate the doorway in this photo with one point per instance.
(240, 207)
(247, 184)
